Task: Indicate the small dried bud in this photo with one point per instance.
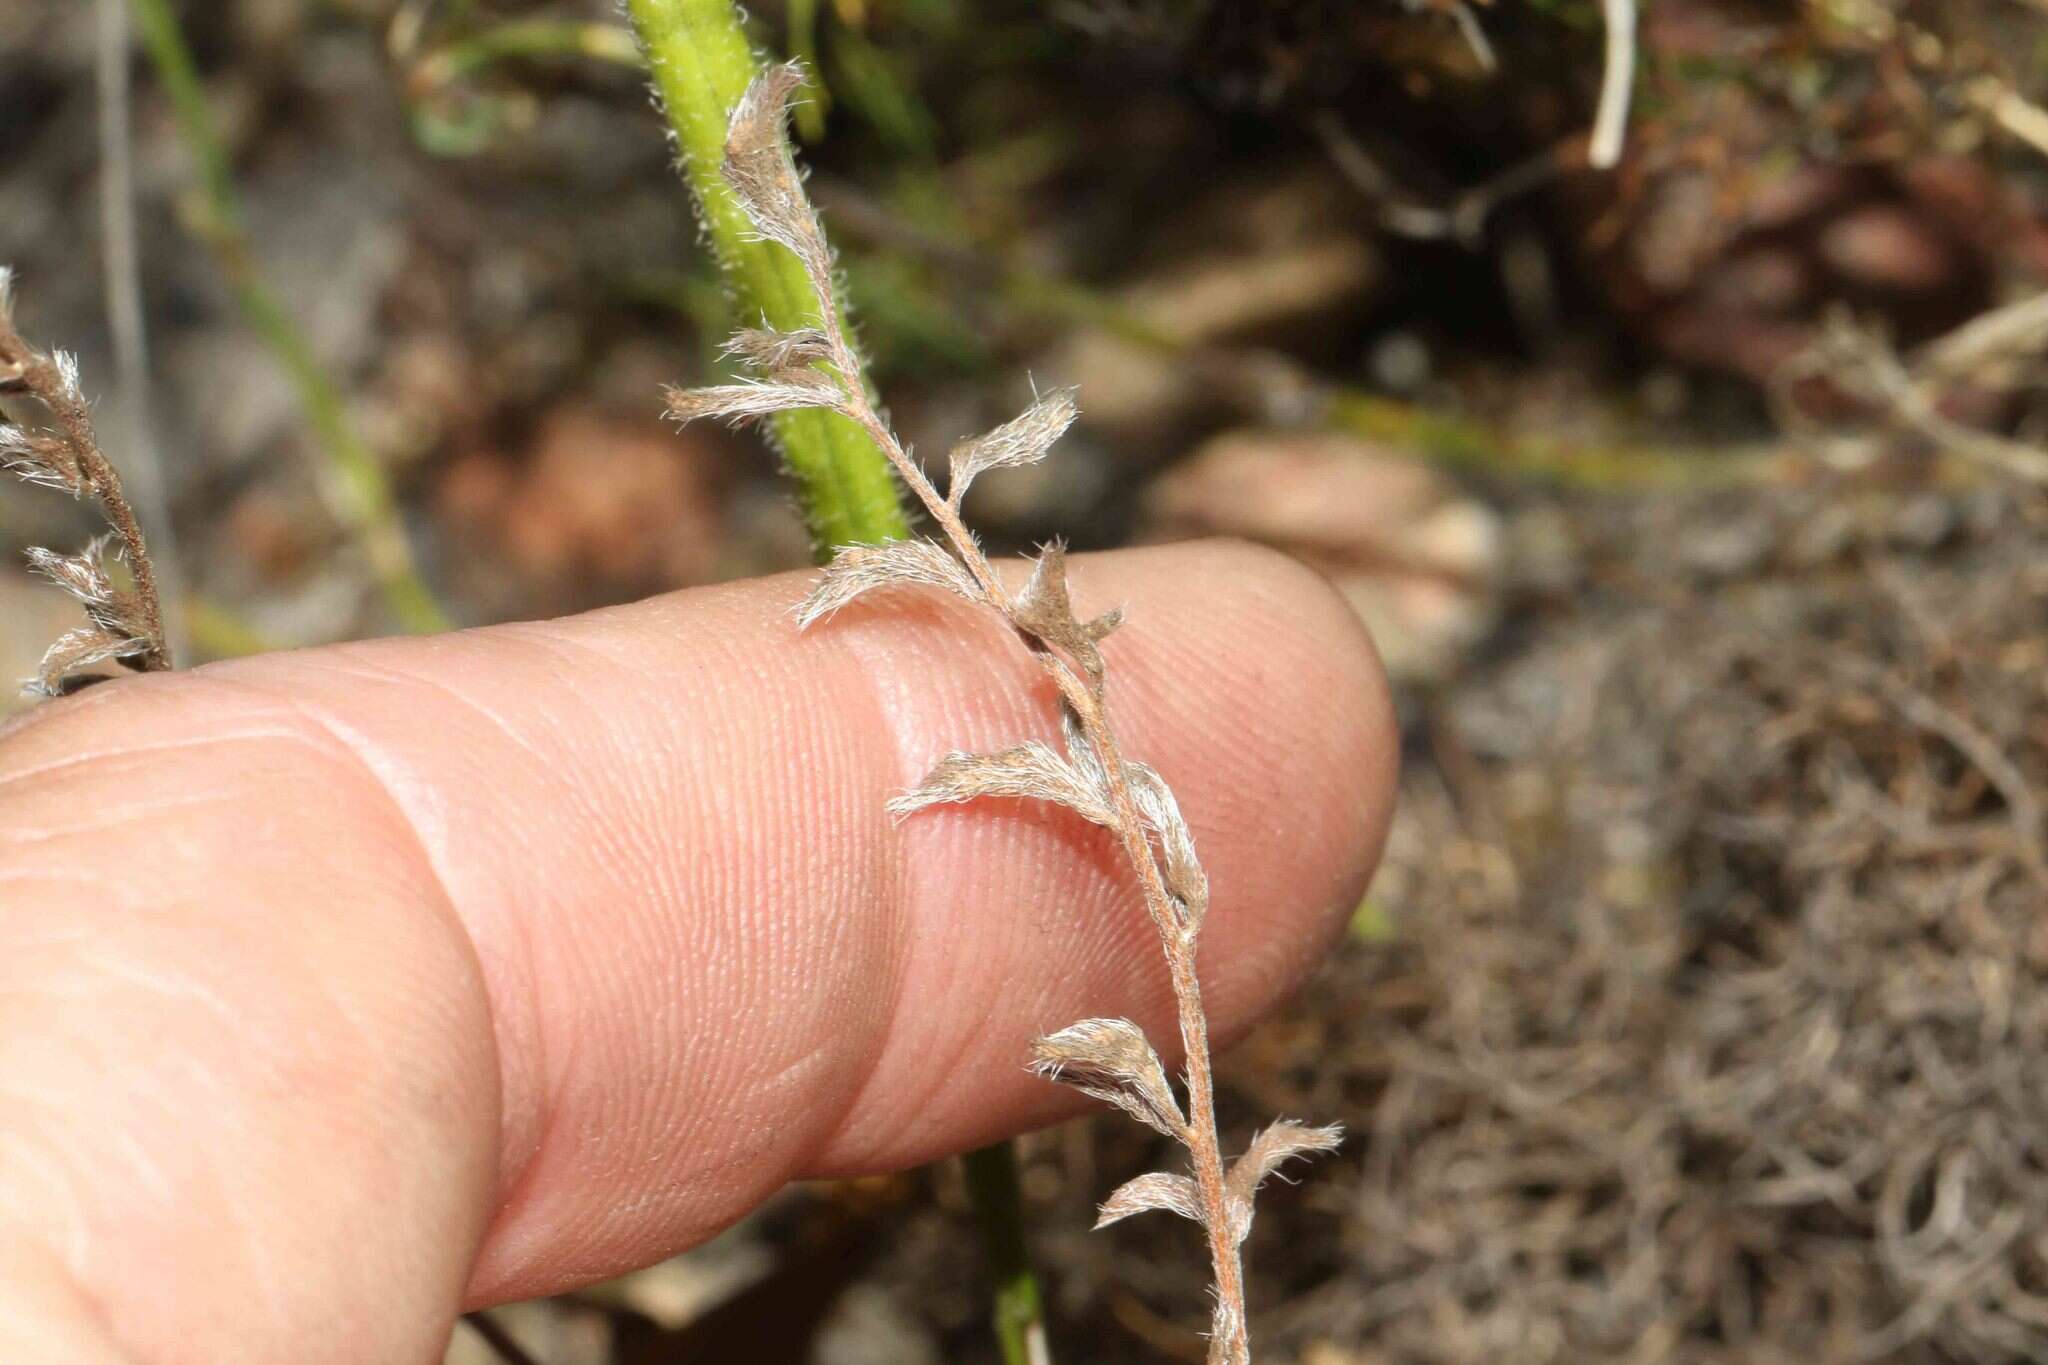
(1030, 770)
(859, 568)
(1044, 609)
(1182, 870)
(1110, 1059)
(1022, 440)
(1172, 1193)
(763, 176)
(742, 403)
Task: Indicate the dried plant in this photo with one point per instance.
(815, 367)
(124, 621)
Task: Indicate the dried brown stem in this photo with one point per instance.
(816, 366)
(1089, 706)
(126, 625)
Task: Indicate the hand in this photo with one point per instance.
(346, 989)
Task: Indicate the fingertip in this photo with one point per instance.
(1302, 757)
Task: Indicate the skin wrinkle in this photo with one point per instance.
(96, 758)
(535, 1098)
(125, 814)
(889, 712)
(381, 771)
(393, 783)
(825, 730)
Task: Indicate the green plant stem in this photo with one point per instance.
(997, 1194)
(353, 481)
(701, 62)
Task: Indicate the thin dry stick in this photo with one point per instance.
(124, 623)
(1859, 359)
(816, 367)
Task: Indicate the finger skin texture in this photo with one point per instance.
(343, 989)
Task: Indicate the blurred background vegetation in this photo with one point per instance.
(1697, 1014)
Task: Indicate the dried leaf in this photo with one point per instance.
(1044, 609)
(1278, 1142)
(1030, 769)
(116, 611)
(1022, 440)
(1110, 1059)
(858, 568)
(1172, 1193)
(78, 649)
(740, 403)
(763, 175)
(40, 458)
(1183, 870)
(775, 351)
(83, 575)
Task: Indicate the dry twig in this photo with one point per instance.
(816, 367)
(1860, 360)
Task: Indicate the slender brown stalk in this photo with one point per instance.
(816, 366)
(1090, 707)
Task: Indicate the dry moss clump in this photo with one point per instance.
(1714, 1027)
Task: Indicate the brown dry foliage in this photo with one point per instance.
(124, 621)
(1715, 1028)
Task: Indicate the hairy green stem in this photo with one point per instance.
(701, 62)
(353, 481)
